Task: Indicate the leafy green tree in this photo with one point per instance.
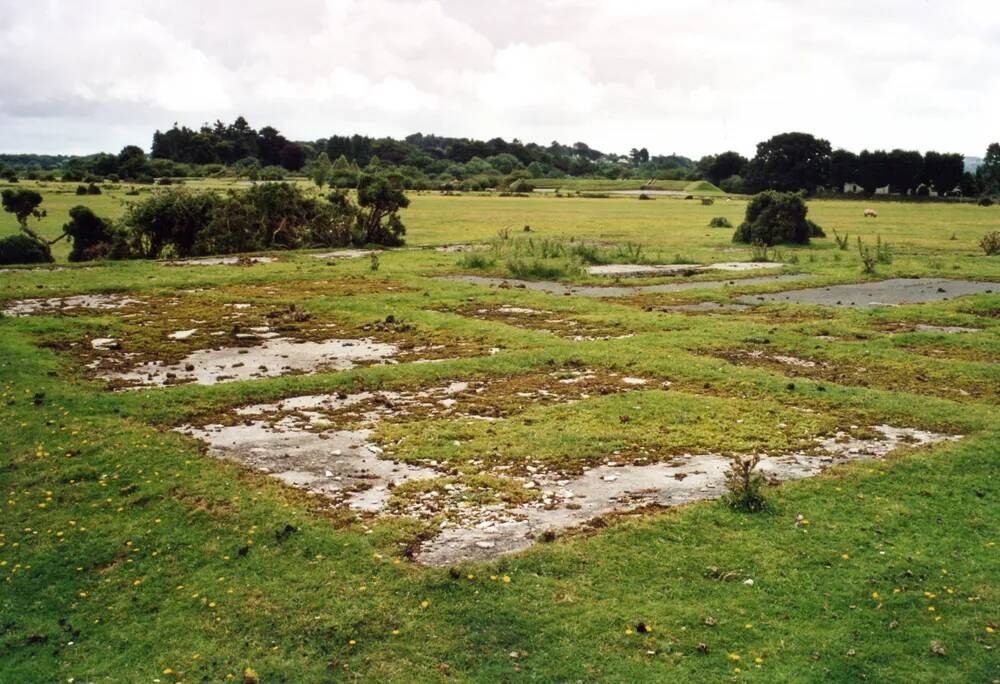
(790, 162)
(717, 168)
(320, 169)
(874, 170)
(988, 173)
(131, 162)
(292, 157)
(380, 201)
(90, 234)
(943, 171)
(905, 167)
(24, 204)
(843, 169)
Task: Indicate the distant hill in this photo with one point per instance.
(41, 162)
(973, 163)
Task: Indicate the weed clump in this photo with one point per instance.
(745, 485)
(990, 244)
(880, 254)
(841, 241)
(720, 222)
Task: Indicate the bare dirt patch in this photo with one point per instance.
(200, 337)
(654, 270)
(325, 445)
(614, 488)
(553, 287)
(270, 358)
(558, 323)
(67, 305)
(889, 292)
(221, 261)
(346, 254)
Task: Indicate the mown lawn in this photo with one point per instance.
(126, 554)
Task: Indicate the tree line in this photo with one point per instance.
(786, 162)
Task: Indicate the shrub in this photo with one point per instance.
(745, 485)
(21, 249)
(379, 202)
(774, 217)
(644, 196)
(985, 201)
(81, 189)
(814, 229)
(707, 201)
(272, 173)
(521, 185)
(91, 235)
(266, 216)
(93, 189)
(990, 243)
(171, 219)
(720, 222)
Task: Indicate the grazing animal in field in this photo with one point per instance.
(871, 213)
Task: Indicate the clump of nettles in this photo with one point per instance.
(745, 485)
(720, 222)
(776, 217)
(990, 243)
(881, 254)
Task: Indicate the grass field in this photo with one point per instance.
(600, 184)
(128, 554)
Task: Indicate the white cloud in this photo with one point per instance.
(683, 77)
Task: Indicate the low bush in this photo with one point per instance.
(264, 216)
(92, 236)
(990, 243)
(775, 217)
(985, 201)
(21, 249)
(644, 196)
(707, 201)
(720, 222)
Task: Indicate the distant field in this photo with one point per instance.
(665, 223)
(599, 184)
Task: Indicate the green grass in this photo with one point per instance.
(599, 184)
(120, 541)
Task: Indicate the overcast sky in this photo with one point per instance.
(685, 77)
